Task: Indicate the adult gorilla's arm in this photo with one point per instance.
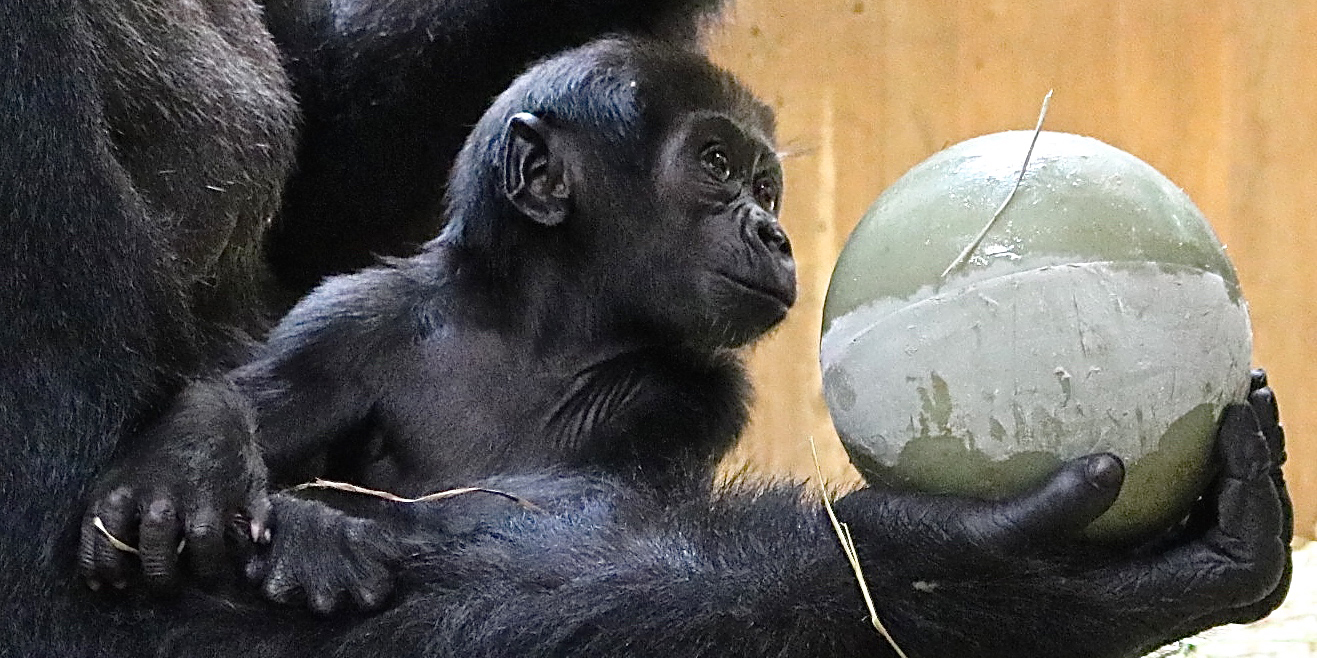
(602, 570)
(388, 92)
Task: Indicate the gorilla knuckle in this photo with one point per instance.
(356, 533)
(204, 529)
(280, 588)
(157, 570)
(120, 497)
(324, 600)
(160, 511)
(256, 569)
(372, 594)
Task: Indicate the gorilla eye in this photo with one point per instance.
(766, 194)
(715, 161)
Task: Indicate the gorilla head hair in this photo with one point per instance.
(619, 90)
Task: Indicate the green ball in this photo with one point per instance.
(1099, 314)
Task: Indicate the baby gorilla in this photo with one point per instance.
(570, 340)
(612, 238)
(579, 309)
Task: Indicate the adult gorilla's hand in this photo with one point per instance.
(1051, 514)
(979, 562)
(1233, 564)
(190, 477)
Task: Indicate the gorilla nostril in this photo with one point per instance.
(775, 238)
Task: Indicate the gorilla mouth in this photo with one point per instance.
(785, 297)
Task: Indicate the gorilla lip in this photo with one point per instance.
(786, 296)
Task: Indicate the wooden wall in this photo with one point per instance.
(1220, 95)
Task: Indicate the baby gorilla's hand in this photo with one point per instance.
(326, 558)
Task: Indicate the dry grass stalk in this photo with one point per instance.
(974, 244)
(114, 541)
(438, 495)
(121, 545)
(852, 555)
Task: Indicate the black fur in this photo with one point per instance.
(601, 262)
(389, 91)
(599, 567)
(590, 326)
(509, 344)
(145, 148)
(108, 306)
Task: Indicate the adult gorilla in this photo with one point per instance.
(145, 147)
(602, 568)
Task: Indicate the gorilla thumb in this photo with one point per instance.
(1077, 494)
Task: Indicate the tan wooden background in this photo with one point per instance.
(1220, 95)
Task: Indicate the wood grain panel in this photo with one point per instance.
(1219, 95)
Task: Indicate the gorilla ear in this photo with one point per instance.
(534, 178)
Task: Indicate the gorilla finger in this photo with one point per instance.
(1249, 525)
(372, 592)
(1251, 520)
(260, 518)
(324, 599)
(112, 530)
(91, 545)
(205, 542)
(1263, 401)
(1244, 449)
(160, 532)
(1257, 379)
(281, 587)
(1264, 606)
(87, 540)
(1069, 501)
(256, 568)
(1236, 425)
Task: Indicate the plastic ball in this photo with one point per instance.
(1099, 314)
